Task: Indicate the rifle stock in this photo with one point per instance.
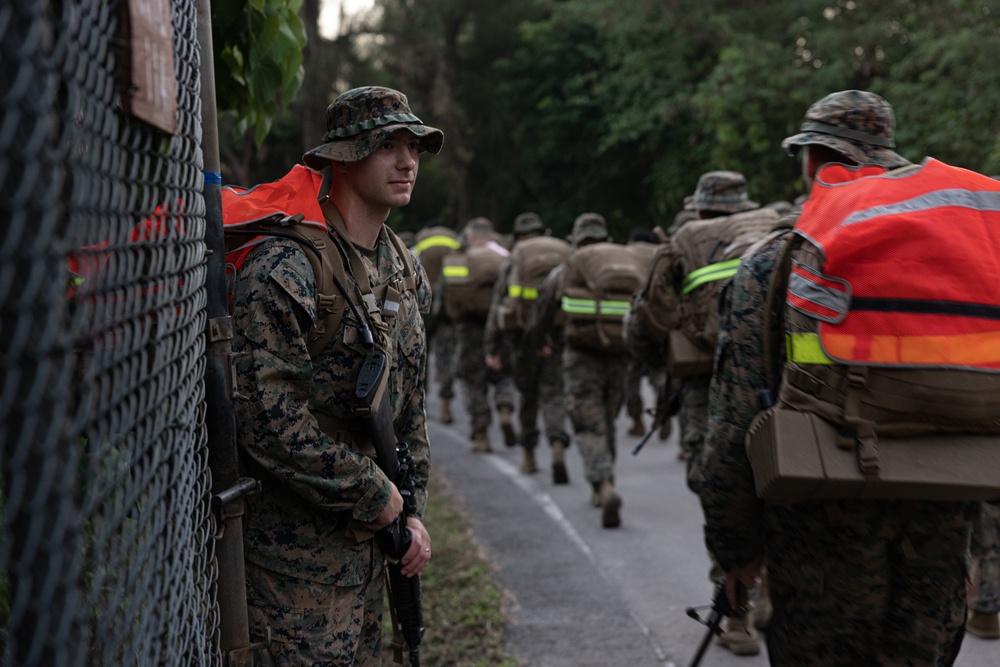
(394, 459)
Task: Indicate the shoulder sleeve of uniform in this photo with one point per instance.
(275, 274)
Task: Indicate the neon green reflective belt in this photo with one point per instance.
(455, 271)
(432, 241)
(707, 274)
(579, 306)
(804, 348)
(518, 292)
(591, 307)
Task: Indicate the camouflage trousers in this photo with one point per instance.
(539, 382)
(444, 346)
(315, 624)
(693, 418)
(633, 388)
(594, 384)
(867, 583)
(984, 594)
(477, 378)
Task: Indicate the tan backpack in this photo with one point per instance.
(469, 276)
(432, 244)
(598, 284)
(707, 255)
(530, 261)
(884, 391)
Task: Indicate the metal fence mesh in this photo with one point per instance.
(106, 543)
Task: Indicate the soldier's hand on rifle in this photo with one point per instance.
(417, 557)
(493, 362)
(748, 575)
(389, 512)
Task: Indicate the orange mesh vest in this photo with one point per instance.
(296, 193)
(910, 266)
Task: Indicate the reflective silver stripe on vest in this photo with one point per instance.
(839, 301)
(979, 201)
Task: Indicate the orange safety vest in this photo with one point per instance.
(910, 266)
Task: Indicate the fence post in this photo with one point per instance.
(228, 489)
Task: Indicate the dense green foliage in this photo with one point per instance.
(617, 106)
(258, 59)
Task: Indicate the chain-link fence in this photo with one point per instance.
(106, 545)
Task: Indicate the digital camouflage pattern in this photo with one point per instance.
(856, 123)
(317, 488)
(852, 582)
(985, 594)
(358, 121)
(477, 378)
(315, 625)
(444, 345)
(593, 385)
(721, 191)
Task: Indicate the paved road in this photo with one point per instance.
(584, 596)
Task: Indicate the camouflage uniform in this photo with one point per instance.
(852, 582)
(593, 383)
(984, 598)
(441, 333)
(476, 376)
(538, 379)
(314, 574)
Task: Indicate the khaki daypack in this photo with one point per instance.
(598, 284)
(707, 254)
(432, 245)
(469, 276)
(891, 314)
(530, 261)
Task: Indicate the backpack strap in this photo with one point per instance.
(774, 306)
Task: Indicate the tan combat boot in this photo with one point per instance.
(984, 624)
(481, 442)
(559, 475)
(528, 464)
(595, 496)
(506, 414)
(740, 636)
(638, 428)
(611, 504)
(446, 416)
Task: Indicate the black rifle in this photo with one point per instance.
(720, 608)
(668, 404)
(372, 405)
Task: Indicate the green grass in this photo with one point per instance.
(464, 609)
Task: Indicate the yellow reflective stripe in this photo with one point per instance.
(804, 348)
(579, 306)
(706, 274)
(519, 292)
(455, 271)
(614, 307)
(591, 307)
(439, 240)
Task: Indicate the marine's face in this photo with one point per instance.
(385, 179)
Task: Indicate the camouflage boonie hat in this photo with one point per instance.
(856, 123)
(527, 223)
(589, 226)
(722, 191)
(360, 120)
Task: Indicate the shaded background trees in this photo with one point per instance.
(617, 106)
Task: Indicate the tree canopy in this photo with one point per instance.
(617, 106)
